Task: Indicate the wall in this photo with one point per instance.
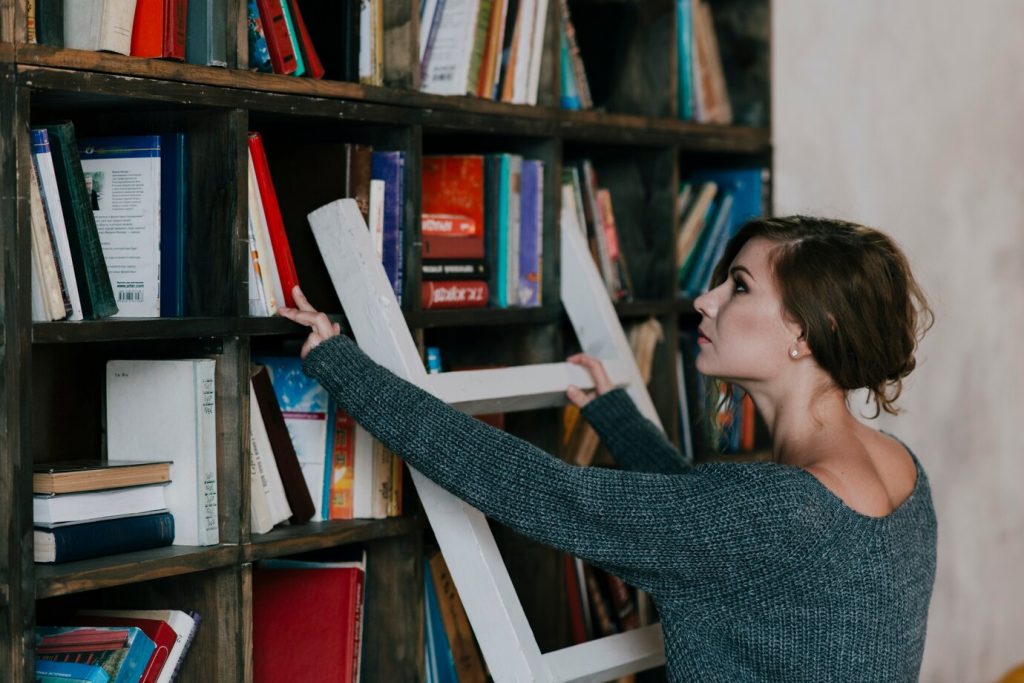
(909, 116)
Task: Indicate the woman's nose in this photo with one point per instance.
(705, 305)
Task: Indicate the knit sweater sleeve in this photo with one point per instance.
(640, 525)
(633, 440)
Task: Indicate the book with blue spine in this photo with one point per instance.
(684, 69)
(173, 224)
(746, 185)
(103, 537)
(712, 245)
(390, 167)
(439, 650)
(122, 652)
(50, 671)
(531, 233)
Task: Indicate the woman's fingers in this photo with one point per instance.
(578, 396)
(596, 369)
(301, 302)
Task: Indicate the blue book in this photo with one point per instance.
(300, 64)
(684, 71)
(49, 671)
(746, 187)
(103, 537)
(437, 637)
(305, 406)
(122, 652)
(259, 54)
(531, 233)
(570, 95)
(711, 248)
(173, 224)
(205, 41)
(496, 207)
(390, 167)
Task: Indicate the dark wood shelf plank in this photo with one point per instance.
(117, 570)
(644, 308)
(288, 540)
(628, 129)
(119, 329)
(480, 317)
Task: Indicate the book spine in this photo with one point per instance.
(97, 295)
(275, 223)
(454, 294)
(149, 28)
(50, 22)
(537, 51)
(116, 22)
(109, 537)
(531, 234)
(314, 68)
(173, 223)
(293, 39)
(206, 458)
(175, 29)
(272, 290)
(52, 286)
(275, 30)
(390, 167)
(456, 269)
(483, 22)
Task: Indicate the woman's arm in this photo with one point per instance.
(633, 440)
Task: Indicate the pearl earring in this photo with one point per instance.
(793, 353)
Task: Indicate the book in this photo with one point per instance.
(274, 221)
(173, 224)
(341, 500)
(710, 246)
(123, 176)
(157, 630)
(455, 269)
(295, 488)
(182, 623)
(52, 510)
(75, 476)
(259, 53)
(99, 25)
(314, 69)
(293, 38)
(476, 55)
(447, 70)
(269, 501)
(162, 410)
(390, 167)
(122, 652)
(99, 538)
(453, 185)
(531, 234)
(301, 610)
(275, 30)
(440, 659)
(693, 222)
(206, 39)
(94, 286)
(159, 28)
(49, 294)
(536, 52)
(261, 251)
(304, 407)
(454, 294)
(50, 22)
(49, 671)
(684, 58)
(42, 159)
(509, 231)
(469, 666)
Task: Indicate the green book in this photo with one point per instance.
(76, 203)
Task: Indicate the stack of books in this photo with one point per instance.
(89, 509)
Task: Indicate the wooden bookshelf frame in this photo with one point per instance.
(221, 104)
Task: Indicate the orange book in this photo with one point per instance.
(343, 466)
(454, 185)
(158, 30)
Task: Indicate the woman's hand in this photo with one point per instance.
(320, 325)
(602, 384)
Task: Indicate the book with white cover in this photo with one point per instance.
(99, 25)
(267, 484)
(124, 176)
(94, 505)
(536, 50)
(272, 289)
(47, 299)
(165, 410)
(448, 66)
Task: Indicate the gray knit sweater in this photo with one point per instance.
(758, 571)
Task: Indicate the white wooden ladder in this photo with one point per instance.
(476, 566)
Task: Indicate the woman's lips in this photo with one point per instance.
(702, 338)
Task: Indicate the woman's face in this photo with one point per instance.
(744, 337)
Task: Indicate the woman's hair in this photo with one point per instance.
(850, 289)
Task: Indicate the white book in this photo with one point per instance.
(257, 296)
(447, 68)
(536, 50)
(428, 8)
(525, 21)
(262, 455)
(367, 39)
(123, 176)
(268, 264)
(47, 299)
(515, 221)
(376, 212)
(99, 25)
(180, 622)
(364, 455)
(165, 410)
(259, 504)
(95, 505)
(43, 159)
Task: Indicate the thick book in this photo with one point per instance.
(94, 287)
(302, 610)
(446, 71)
(54, 510)
(206, 39)
(453, 294)
(123, 176)
(162, 635)
(50, 22)
(49, 671)
(275, 222)
(390, 167)
(531, 234)
(49, 294)
(269, 503)
(86, 540)
(454, 186)
(506, 254)
(262, 253)
(42, 158)
(455, 269)
(74, 476)
(122, 652)
(288, 466)
(182, 623)
(163, 410)
(173, 224)
(305, 407)
(159, 28)
(279, 42)
(99, 25)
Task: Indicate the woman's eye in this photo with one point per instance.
(739, 287)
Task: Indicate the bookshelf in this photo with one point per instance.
(51, 385)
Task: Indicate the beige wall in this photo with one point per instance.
(909, 115)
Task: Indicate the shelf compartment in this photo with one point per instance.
(123, 329)
(289, 540)
(117, 570)
(483, 317)
(644, 308)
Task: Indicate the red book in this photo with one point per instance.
(279, 41)
(158, 29)
(454, 294)
(577, 623)
(307, 621)
(275, 224)
(454, 185)
(448, 225)
(162, 635)
(175, 28)
(314, 69)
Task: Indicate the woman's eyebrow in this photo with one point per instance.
(743, 269)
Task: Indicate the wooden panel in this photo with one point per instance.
(743, 28)
(289, 540)
(393, 619)
(483, 317)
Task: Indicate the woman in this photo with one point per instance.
(816, 566)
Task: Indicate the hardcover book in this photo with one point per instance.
(206, 40)
(54, 510)
(454, 186)
(121, 652)
(71, 476)
(390, 167)
(182, 623)
(49, 671)
(162, 635)
(86, 540)
(99, 25)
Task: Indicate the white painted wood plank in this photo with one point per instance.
(608, 658)
(506, 390)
